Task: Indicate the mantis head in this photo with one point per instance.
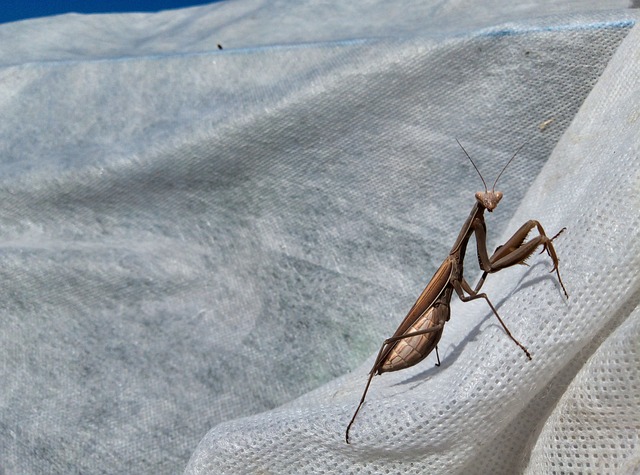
(489, 199)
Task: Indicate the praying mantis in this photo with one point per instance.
(420, 331)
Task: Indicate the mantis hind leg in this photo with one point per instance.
(380, 359)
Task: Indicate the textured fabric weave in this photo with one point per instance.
(202, 249)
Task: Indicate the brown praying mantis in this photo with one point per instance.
(420, 331)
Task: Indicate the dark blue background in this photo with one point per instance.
(13, 10)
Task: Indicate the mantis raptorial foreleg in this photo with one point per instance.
(516, 251)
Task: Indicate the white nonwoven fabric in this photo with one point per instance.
(484, 408)
(194, 236)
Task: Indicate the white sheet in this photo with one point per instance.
(192, 236)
